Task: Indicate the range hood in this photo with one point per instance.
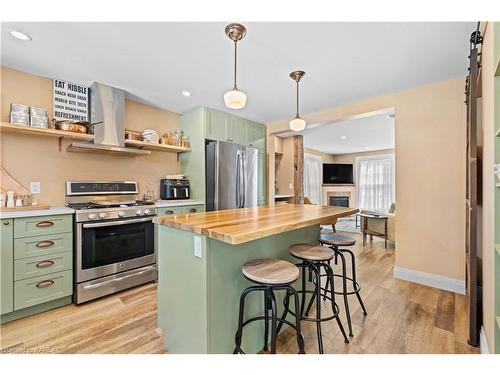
(107, 105)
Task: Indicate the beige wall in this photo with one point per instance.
(30, 158)
(488, 204)
(325, 158)
(430, 171)
(350, 158)
(284, 174)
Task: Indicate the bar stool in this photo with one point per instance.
(270, 275)
(334, 241)
(313, 259)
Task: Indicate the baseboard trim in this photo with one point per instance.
(483, 344)
(429, 279)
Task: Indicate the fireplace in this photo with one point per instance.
(339, 201)
(338, 198)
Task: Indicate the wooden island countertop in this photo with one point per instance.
(242, 225)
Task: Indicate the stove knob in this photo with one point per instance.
(139, 213)
(103, 215)
(147, 211)
(121, 213)
(92, 216)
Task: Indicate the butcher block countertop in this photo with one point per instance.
(248, 224)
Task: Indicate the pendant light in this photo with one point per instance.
(297, 123)
(234, 98)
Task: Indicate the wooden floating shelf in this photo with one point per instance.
(29, 130)
(155, 146)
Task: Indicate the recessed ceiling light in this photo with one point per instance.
(186, 93)
(343, 137)
(19, 35)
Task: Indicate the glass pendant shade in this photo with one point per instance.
(297, 124)
(235, 99)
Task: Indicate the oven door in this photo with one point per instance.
(109, 247)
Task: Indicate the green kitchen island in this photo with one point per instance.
(199, 263)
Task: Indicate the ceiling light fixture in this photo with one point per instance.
(234, 98)
(19, 35)
(297, 123)
(186, 93)
(343, 137)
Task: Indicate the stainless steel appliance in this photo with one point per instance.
(114, 237)
(231, 175)
(174, 188)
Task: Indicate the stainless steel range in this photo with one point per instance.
(114, 237)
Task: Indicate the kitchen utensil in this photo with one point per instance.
(19, 202)
(38, 112)
(74, 126)
(133, 135)
(39, 121)
(10, 199)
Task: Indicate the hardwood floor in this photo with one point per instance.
(402, 318)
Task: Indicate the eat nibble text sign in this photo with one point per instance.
(71, 101)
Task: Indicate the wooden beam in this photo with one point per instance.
(298, 169)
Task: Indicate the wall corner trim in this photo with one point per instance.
(429, 279)
(483, 343)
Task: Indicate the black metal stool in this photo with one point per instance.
(314, 258)
(334, 241)
(270, 275)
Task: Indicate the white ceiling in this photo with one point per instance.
(361, 135)
(154, 62)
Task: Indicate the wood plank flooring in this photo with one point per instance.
(402, 318)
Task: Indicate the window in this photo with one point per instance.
(312, 178)
(375, 182)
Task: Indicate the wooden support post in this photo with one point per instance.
(298, 169)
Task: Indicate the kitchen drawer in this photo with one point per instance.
(192, 209)
(42, 289)
(42, 245)
(169, 211)
(42, 265)
(42, 225)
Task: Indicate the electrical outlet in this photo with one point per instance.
(290, 186)
(35, 187)
(197, 247)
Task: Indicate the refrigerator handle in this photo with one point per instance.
(244, 180)
(216, 178)
(238, 178)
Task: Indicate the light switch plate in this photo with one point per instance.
(197, 247)
(35, 187)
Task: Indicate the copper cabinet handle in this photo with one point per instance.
(6, 222)
(44, 263)
(169, 212)
(191, 210)
(45, 244)
(43, 224)
(45, 283)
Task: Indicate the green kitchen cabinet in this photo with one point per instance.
(217, 125)
(7, 266)
(237, 132)
(261, 179)
(256, 135)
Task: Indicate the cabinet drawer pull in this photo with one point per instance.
(45, 244)
(6, 222)
(44, 224)
(45, 283)
(192, 210)
(45, 263)
(169, 212)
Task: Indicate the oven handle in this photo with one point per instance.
(120, 222)
(98, 285)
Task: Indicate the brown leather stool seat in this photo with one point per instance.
(270, 271)
(317, 253)
(333, 239)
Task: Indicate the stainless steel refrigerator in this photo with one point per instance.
(231, 176)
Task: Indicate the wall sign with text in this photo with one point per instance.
(71, 101)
